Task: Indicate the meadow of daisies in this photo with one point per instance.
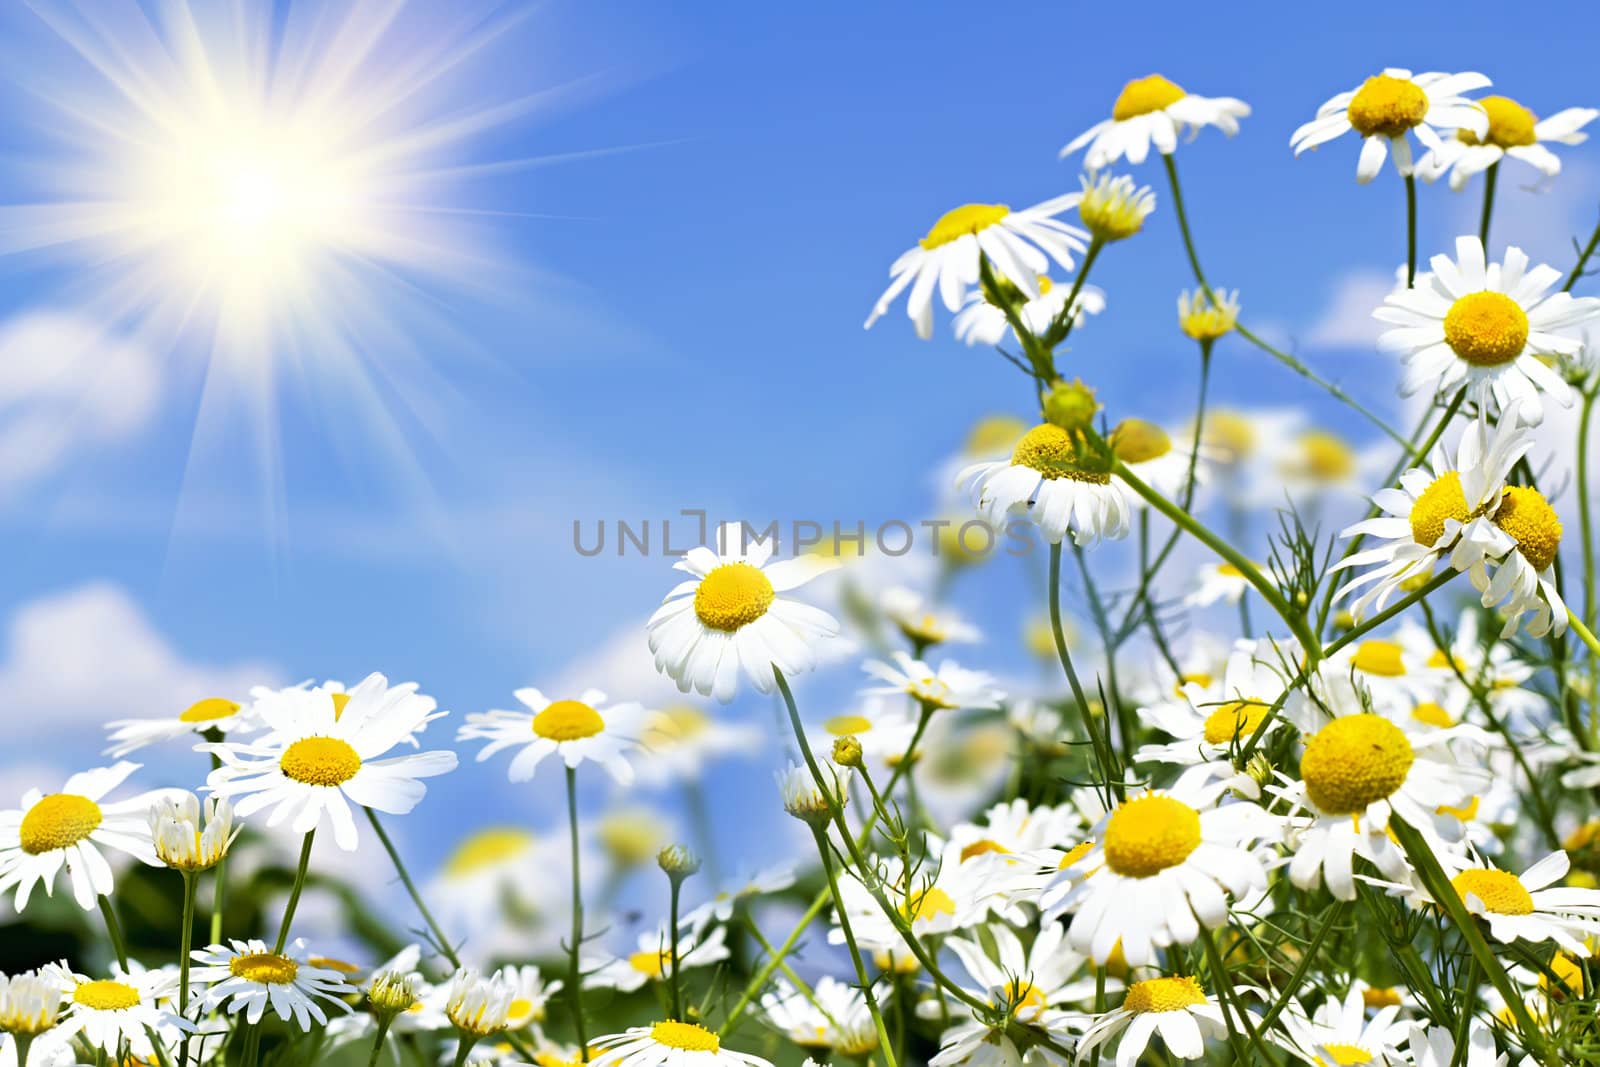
(1330, 801)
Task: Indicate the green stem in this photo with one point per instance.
(1411, 230)
(1307, 957)
(377, 1041)
(574, 970)
(677, 987)
(185, 942)
(1104, 755)
(841, 912)
(1585, 519)
(1583, 258)
(411, 888)
(114, 930)
(1064, 319)
(1230, 998)
(1183, 224)
(774, 961)
(1583, 633)
(294, 894)
(464, 1049)
(219, 875)
(1489, 177)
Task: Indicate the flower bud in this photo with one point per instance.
(392, 993)
(847, 751)
(804, 799)
(1112, 208)
(678, 862)
(181, 841)
(1070, 405)
(1205, 321)
(29, 1004)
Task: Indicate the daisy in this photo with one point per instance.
(1112, 207)
(186, 841)
(1435, 1046)
(202, 717)
(1161, 864)
(532, 995)
(1153, 110)
(884, 730)
(501, 890)
(683, 739)
(319, 755)
(933, 902)
(479, 1006)
(980, 322)
(1058, 481)
(1147, 450)
(1206, 317)
(1424, 518)
(1217, 581)
(653, 960)
(923, 622)
(1484, 326)
(947, 689)
(124, 1009)
(68, 829)
(669, 1044)
(1389, 105)
(1515, 570)
(808, 801)
(1178, 1008)
(1340, 1032)
(728, 618)
(1016, 828)
(30, 1003)
(244, 977)
(1320, 460)
(835, 1017)
(1531, 906)
(394, 977)
(587, 728)
(720, 908)
(1032, 987)
(1513, 131)
(1020, 245)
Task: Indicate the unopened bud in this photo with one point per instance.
(847, 751)
(1070, 405)
(392, 994)
(678, 862)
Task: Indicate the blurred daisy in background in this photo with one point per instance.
(1149, 452)
(1388, 106)
(1513, 131)
(1153, 110)
(682, 740)
(200, 718)
(923, 622)
(949, 688)
(834, 1018)
(980, 322)
(1217, 581)
(575, 731)
(653, 960)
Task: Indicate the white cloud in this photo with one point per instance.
(74, 660)
(1347, 321)
(66, 386)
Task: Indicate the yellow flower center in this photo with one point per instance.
(733, 595)
(996, 433)
(1440, 501)
(685, 1036)
(264, 968)
(1345, 1055)
(1200, 678)
(1054, 453)
(324, 761)
(1074, 854)
(1387, 106)
(1138, 441)
(958, 222)
(487, 848)
(846, 725)
(1232, 721)
(1532, 523)
(209, 709)
(1144, 95)
(1163, 994)
(675, 725)
(1376, 997)
(522, 1007)
(58, 820)
(1383, 658)
(1355, 761)
(1150, 833)
(981, 847)
(1486, 329)
(567, 720)
(1231, 433)
(653, 964)
(1568, 972)
(1019, 995)
(1432, 714)
(106, 996)
(1501, 892)
(1510, 124)
(929, 904)
(1326, 457)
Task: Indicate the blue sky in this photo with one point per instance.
(714, 207)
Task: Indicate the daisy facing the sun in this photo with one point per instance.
(1387, 107)
(1153, 111)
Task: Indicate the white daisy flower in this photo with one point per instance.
(1386, 107)
(1532, 906)
(1515, 568)
(1340, 1032)
(1484, 326)
(682, 740)
(669, 1044)
(981, 323)
(68, 829)
(728, 618)
(653, 960)
(1112, 207)
(1435, 1046)
(245, 977)
(923, 622)
(575, 730)
(1058, 482)
(805, 799)
(124, 1009)
(1148, 451)
(1206, 317)
(1153, 110)
(426, 1012)
(1015, 827)
(933, 901)
(835, 1017)
(1176, 1008)
(190, 836)
(30, 1003)
(213, 713)
(1513, 131)
(318, 756)
(1161, 864)
(1424, 518)
(720, 908)
(504, 890)
(1019, 244)
(950, 688)
(479, 1005)
(1217, 581)
(1032, 987)
(532, 996)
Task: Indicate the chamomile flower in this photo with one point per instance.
(30, 1003)
(980, 322)
(805, 799)
(68, 829)
(1112, 207)
(1483, 326)
(1161, 864)
(320, 754)
(1516, 570)
(1177, 1008)
(532, 994)
(501, 890)
(1514, 131)
(1435, 1046)
(1148, 451)
(669, 1044)
(1388, 106)
(1032, 986)
(728, 619)
(1531, 906)
(123, 1010)
(1207, 317)
(1153, 110)
(1019, 244)
(203, 716)
(1340, 1032)
(653, 960)
(933, 901)
(923, 622)
(1217, 581)
(948, 688)
(189, 836)
(682, 740)
(1060, 483)
(246, 977)
(588, 728)
(720, 908)
(479, 1005)
(834, 1017)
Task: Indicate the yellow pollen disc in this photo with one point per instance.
(1163, 994)
(733, 595)
(846, 725)
(1150, 833)
(567, 720)
(1053, 452)
(264, 968)
(1374, 997)
(676, 724)
(1144, 95)
(209, 709)
(981, 847)
(106, 996)
(1501, 892)
(929, 904)
(1045, 284)
(1327, 458)
(1345, 1055)
(1438, 659)
(1486, 329)
(685, 1036)
(1440, 501)
(520, 1007)
(1568, 972)
(1510, 124)
(958, 222)
(996, 433)
(1432, 714)
(1138, 441)
(1232, 721)
(1387, 106)
(1383, 658)
(487, 848)
(324, 761)
(340, 702)
(1355, 761)
(1231, 433)
(58, 820)
(652, 963)
(1466, 813)
(1532, 523)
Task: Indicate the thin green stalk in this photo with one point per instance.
(1583, 259)
(114, 931)
(1183, 222)
(464, 1048)
(219, 873)
(1411, 230)
(841, 913)
(1583, 632)
(1585, 519)
(411, 889)
(1065, 320)
(1307, 957)
(574, 969)
(774, 960)
(294, 894)
(1230, 998)
(1489, 177)
(1103, 626)
(185, 942)
(677, 983)
(1104, 755)
(378, 1039)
